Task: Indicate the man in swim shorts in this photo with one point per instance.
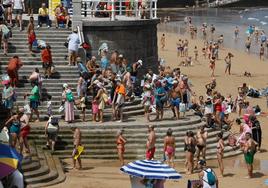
(150, 145)
(201, 137)
(249, 152)
(175, 100)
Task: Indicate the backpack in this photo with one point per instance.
(211, 177)
(1, 11)
(54, 121)
(69, 97)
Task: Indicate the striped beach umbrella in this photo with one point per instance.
(9, 160)
(149, 169)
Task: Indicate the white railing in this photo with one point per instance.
(113, 8)
(221, 2)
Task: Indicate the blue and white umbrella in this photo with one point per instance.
(149, 169)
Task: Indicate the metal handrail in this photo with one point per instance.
(80, 34)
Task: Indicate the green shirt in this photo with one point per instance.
(34, 94)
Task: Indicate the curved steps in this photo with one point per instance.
(99, 140)
(42, 169)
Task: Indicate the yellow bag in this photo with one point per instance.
(105, 97)
(80, 149)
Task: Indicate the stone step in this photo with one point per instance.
(44, 31)
(35, 165)
(60, 64)
(108, 143)
(55, 55)
(48, 39)
(131, 155)
(43, 170)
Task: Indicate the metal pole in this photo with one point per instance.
(155, 8)
(120, 7)
(136, 8)
(151, 9)
(113, 11)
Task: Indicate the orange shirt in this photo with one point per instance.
(121, 89)
(46, 56)
(14, 64)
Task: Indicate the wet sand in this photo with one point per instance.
(106, 174)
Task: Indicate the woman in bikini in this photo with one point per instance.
(14, 126)
(120, 142)
(220, 152)
(212, 66)
(169, 147)
(189, 148)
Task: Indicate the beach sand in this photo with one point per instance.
(106, 174)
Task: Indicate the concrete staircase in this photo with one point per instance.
(42, 169)
(99, 140)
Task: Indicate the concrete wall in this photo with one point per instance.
(134, 39)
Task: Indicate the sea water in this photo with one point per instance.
(225, 20)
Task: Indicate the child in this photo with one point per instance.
(95, 110)
(147, 101)
(83, 106)
(31, 39)
(49, 106)
(195, 53)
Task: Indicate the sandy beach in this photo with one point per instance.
(106, 174)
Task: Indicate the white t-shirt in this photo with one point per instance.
(7, 2)
(18, 4)
(74, 42)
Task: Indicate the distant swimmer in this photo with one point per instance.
(163, 42)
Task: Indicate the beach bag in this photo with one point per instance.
(66, 44)
(105, 97)
(26, 107)
(182, 107)
(61, 109)
(4, 136)
(210, 176)
(52, 128)
(5, 31)
(69, 97)
(52, 69)
(82, 68)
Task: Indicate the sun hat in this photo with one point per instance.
(120, 55)
(65, 85)
(202, 162)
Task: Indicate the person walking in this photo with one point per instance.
(13, 67)
(119, 99)
(51, 131)
(13, 124)
(77, 136)
(24, 132)
(68, 100)
(120, 142)
(256, 130)
(18, 9)
(7, 4)
(34, 98)
(189, 148)
(220, 152)
(150, 145)
(207, 176)
(46, 57)
(73, 44)
(201, 138)
(249, 152)
(7, 95)
(5, 36)
(169, 147)
(228, 63)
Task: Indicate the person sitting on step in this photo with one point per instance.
(62, 16)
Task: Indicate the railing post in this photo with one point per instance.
(136, 8)
(155, 9)
(77, 18)
(113, 11)
(151, 9)
(120, 7)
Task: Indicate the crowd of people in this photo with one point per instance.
(113, 81)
